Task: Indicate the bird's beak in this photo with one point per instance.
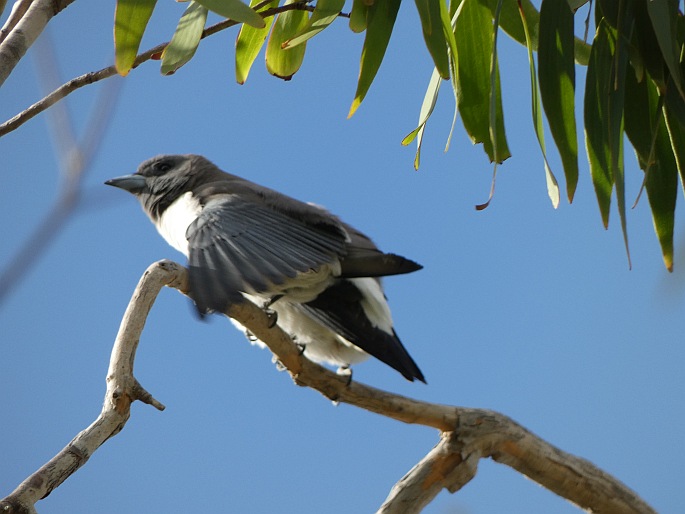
(132, 183)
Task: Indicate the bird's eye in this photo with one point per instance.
(162, 167)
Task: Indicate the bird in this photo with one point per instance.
(318, 276)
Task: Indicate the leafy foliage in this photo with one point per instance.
(634, 86)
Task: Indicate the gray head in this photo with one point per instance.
(161, 180)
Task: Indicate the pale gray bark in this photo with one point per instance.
(22, 35)
(467, 435)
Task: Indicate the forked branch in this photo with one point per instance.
(467, 435)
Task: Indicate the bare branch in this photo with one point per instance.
(122, 390)
(19, 8)
(468, 435)
(96, 76)
(25, 32)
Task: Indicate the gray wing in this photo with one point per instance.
(237, 245)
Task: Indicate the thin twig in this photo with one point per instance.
(96, 76)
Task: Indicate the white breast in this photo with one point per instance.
(174, 221)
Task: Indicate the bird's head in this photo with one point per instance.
(160, 180)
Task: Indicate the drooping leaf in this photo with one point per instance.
(429, 100)
(557, 84)
(596, 120)
(234, 10)
(130, 19)
(325, 13)
(380, 18)
(474, 36)
(663, 15)
(676, 133)
(249, 42)
(449, 20)
(279, 61)
(603, 113)
(431, 25)
(655, 146)
(552, 184)
(510, 21)
(358, 16)
(186, 39)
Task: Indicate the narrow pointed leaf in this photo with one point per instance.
(234, 10)
(676, 133)
(552, 185)
(279, 61)
(663, 15)
(474, 36)
(556, 71)
(130, 19)
(596, 120)
(249, 42)
(449, 20)
(380, 17)
(427, 107)
(186, 39)
(431, 25)
(358, 16)
(603, 112)
(325, 13)
(510, 21)
(616, 101)
(649, 134)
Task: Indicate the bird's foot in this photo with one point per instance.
(278, 363)
(345, 371)
(272, 317)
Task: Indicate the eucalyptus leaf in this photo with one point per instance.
(234, 10)
(130, 20)
(186, 39)
(556, 72)
(249, 42)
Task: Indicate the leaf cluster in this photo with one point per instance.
(635, 82)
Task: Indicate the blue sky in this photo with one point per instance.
(520, 308)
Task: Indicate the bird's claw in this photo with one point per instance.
(272, 317)
(345, 371)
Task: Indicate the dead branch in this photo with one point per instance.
(467, 435)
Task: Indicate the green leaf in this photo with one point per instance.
(603, 111)
(429, 100)
(234, 10)
(655, 144)
(449, 20)
(130, 19)
(186, 39)
(510, 21)
(663, 15)
(557, 76)
(431, 25)
(358, 16)
(380, 18)
(552, 185)
(249, 42)
(325, 13)
(676, 134)
(280, 62)
(474, 34)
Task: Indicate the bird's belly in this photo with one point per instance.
(321, 344)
